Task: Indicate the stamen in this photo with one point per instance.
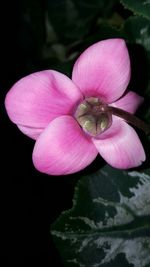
(93, 116)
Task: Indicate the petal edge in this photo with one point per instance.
(130, 102)
(37, 99)
(120, 146)
(63, 148)
(103, 69)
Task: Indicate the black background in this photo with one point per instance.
(30, 201)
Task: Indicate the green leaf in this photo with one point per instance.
(109, 224)
(137, 32)
(73, 19)
(62, 15)
(140, 7)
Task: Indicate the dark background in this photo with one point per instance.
(30, 201)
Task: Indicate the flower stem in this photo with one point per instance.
(128, 117)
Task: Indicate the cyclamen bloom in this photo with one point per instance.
(70, 119)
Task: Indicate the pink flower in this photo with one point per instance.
(69, 118)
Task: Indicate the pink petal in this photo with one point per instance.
(37, 99)
(120, 146)
(103, 69)
(63, 148)
(130, 102)
(32, 132)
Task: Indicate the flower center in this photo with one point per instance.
(93, 116)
